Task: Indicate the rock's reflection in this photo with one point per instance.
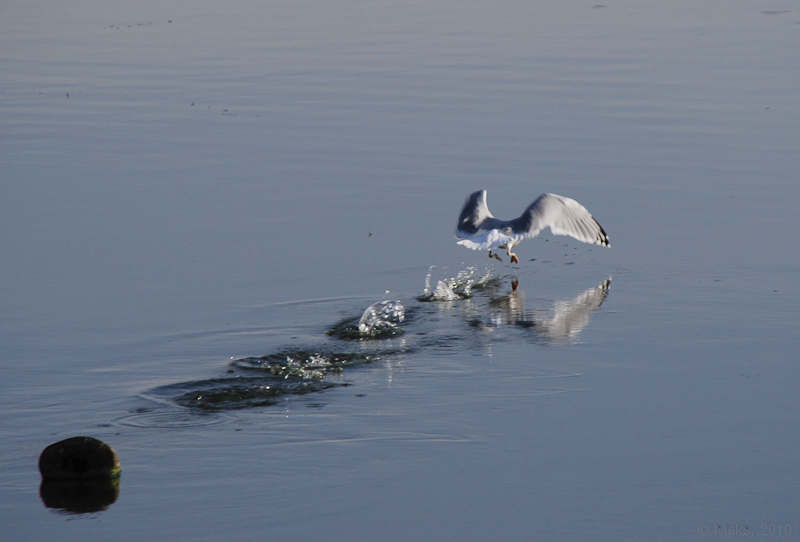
(79, 496)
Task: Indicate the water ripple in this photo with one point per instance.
(473, 308)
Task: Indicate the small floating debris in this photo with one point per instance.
(79, 457)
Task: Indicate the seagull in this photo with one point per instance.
(478, 229)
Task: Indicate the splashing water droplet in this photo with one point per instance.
(382, 316)
(458, 287)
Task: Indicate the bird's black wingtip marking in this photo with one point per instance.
(602, 236)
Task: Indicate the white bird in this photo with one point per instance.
(478, 229)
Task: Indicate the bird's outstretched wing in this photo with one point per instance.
(475, 216)
(564, 216)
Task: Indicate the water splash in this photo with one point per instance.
(382, 315)
(453, 288)
(262, 381)
(302, 363)
(380, 320)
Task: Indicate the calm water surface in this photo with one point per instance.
(185, 186)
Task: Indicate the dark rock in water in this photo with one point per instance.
(79, 458)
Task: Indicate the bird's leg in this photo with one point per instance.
(514, 258)
(497, 256)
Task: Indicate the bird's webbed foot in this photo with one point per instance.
(514, 258)
(496, 256)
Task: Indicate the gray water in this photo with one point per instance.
(185, 186)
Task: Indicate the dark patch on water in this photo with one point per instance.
(243, 392)
(264, 380)
(302, 363)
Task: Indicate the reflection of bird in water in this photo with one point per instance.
(570, 317)
(564, 321)
(478, 229)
